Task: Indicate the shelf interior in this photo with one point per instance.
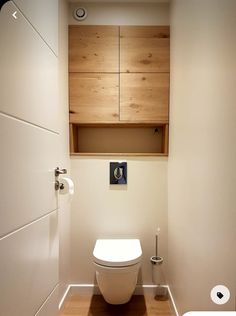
(109, 140)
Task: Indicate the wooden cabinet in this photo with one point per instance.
(94, 74)
(119, 86)
(94, 97)
(144, 97)
(144, 48)
(93, 48)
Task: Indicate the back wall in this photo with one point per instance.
(102, 211)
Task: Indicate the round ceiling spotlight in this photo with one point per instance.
(80, 14)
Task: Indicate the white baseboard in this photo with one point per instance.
(92, 289)
(64, 297)
(87, 289)
(174, 308)
(155, 289)
(150, 289)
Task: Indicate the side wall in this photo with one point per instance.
(102, 211)
(201, 168)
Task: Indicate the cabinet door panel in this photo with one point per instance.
(144, 97)
(144, 49)
(93, 48)
(94, 98)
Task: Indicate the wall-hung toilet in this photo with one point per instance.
(117, 262)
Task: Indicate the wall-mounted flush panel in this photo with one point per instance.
(118, 172)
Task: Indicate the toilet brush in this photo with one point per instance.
(156, 259)
(156, 262)
(158, 229)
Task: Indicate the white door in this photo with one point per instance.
(29, 141)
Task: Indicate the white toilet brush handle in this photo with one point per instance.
(156, 245)
(157, 233)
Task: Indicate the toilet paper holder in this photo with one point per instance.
(58, 185)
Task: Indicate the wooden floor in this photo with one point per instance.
(139, 305)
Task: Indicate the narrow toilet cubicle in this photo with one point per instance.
(117, 157)
(119, 122)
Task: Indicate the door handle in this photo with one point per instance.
(59, 171)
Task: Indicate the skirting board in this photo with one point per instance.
(91, 289)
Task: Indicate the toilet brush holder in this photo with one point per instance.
(157, 275)
(156, 260)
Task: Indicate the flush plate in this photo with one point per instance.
(118, 172)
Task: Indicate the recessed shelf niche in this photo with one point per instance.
(119, 140)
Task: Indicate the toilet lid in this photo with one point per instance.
(117, 252)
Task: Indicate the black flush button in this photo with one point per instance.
(118, 172)
(220, 295)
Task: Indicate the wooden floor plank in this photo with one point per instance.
(95, 305)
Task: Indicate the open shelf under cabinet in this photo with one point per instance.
(120, 140)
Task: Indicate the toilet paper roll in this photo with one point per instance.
(68, 186)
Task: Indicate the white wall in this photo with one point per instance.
(105, 13)
(135, 211)
(103, 211)
(201, 189)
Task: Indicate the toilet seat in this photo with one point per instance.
(117, 252)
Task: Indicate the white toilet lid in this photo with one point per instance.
(117, 252)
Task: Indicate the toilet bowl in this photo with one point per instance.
(117, 262)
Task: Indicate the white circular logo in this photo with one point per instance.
(220, 294)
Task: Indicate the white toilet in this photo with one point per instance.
(117, 262)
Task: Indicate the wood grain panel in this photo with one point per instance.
(144, 97)
(93, 48)
(165, 140)
(119, 154)
(94, 97)
(87, 305)
(144, 48)
(73, 132)
(120, 139)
